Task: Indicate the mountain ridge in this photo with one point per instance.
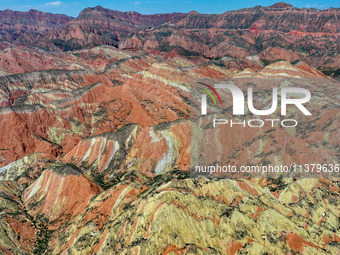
(248, 31)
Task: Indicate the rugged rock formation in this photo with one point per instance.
(278, 31)
(95, 142)
(274, 32)
(100, 26)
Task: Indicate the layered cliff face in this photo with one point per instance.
(95, 141)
